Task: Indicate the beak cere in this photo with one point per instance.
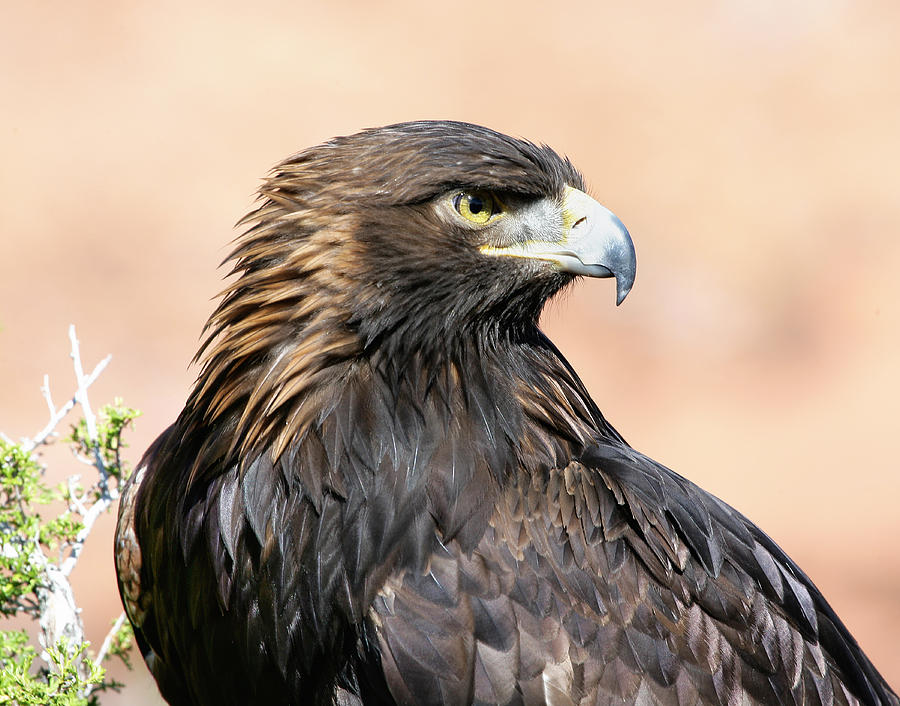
(591, 242)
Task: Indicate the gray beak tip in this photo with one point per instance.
(623, 265)
(625, 279)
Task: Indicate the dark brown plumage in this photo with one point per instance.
(387, 486)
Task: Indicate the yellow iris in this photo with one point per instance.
(478, 207)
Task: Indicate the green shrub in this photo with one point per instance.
(40, 546)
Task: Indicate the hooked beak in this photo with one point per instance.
(596, 244)
(592, 242)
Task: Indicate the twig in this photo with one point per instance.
(104, 648)
(98, 508)
(45, 390)
(81, 394)
(75, 502)
(110, 636)
(57, 416)
(90, 420)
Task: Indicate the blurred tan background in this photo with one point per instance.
(751, 146)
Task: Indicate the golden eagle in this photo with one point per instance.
(388, 486)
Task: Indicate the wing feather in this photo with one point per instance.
(613, 579)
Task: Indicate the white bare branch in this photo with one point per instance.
(57, 415)
(104, 648)
(58, 614)
(94, 512)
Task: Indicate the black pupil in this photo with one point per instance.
(476, 205)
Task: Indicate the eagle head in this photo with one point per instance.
(406, 240)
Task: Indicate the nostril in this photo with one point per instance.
(579, 221)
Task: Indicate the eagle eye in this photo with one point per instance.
(479, 206)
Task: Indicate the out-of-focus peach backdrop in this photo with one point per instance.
(752, 148)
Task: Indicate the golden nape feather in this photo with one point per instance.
(388, 486)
